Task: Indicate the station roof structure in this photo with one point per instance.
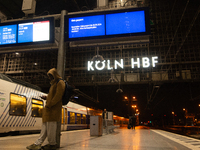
(13, 8)
(175, 36)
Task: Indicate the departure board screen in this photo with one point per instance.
(126, 22)
(86, 26)
(27, 32)
(8, 34)
(107, 24)
(33, 31)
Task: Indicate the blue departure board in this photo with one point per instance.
(25, 32)
(86, 26)
(107, 24)
(34, 31)
(126, 22)
(8, 34)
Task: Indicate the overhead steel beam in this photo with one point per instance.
(76, 5)
(150, 99)
(28, 48)
(56, 16)
(188, 31)
(2, 17)
(87, 4)
(177, 29)
(1, 4)
(77, 91)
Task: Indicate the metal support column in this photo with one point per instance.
(61, 65)
(61, 48)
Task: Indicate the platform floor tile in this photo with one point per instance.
(122, 139)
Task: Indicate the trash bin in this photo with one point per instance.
(96, 126)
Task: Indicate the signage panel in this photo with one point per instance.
(33, 31)
(107, 24)
(86, 26)
(27, 32)
(8, 34)
(143, 62)
(126, 22)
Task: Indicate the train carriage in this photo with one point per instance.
(74, 116)
(21, 108)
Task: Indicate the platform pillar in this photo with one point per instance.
(61, 65)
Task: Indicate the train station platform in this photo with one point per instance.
(142, 138)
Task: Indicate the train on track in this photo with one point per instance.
(21, 108)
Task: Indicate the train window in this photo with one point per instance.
(72, 118)
(117, 122)
(78, 119)
(17, 105)
(65, 116)
(37, 107)
(83, 119)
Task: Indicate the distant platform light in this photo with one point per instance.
(134, 106)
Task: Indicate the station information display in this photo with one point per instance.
(8, 34)
(82, 26)
(27, 32)
(107, 24)
(34, 31)
(126, 22)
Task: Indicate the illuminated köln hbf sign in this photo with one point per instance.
(143, 62)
